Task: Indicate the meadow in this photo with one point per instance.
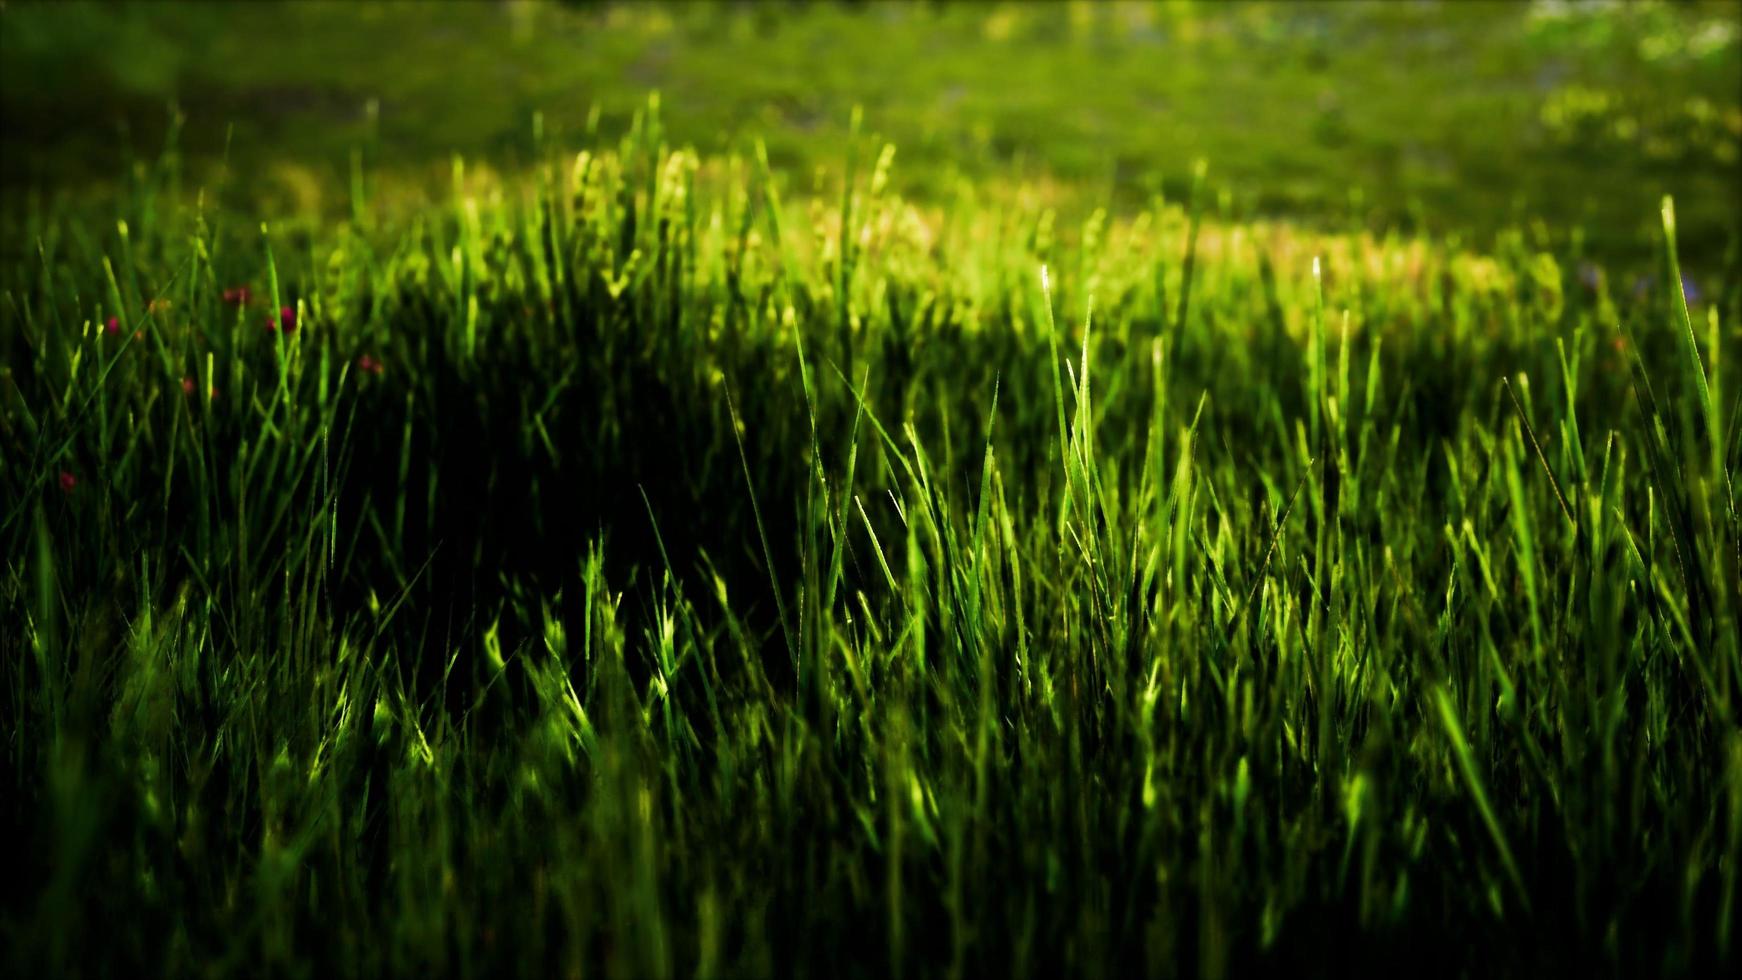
(604, 549)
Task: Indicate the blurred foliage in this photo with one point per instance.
(1466, 117)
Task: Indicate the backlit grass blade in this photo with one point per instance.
(1471, 773)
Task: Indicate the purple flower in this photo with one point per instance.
(1691, 291)
(1590, 276)
(286, 317)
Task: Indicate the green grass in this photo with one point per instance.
(1466, 118)
(740, 571)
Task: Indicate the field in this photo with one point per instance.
(947, 490)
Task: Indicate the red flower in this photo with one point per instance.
(286, 316)
(370, 364)
(237, 295)
(113, 327)
(187, 386)
(67, 482)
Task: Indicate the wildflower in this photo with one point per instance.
(237, 296)
(1590, 276)
(158, 305)
(286, 316)
(113, 327)
(370, 364)
(187, 386)
(1643, 285)
(67, 482)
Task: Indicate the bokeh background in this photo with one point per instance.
(1455, 118)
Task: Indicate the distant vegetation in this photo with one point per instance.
(1463, 118)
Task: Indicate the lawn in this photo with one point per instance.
(742, 490)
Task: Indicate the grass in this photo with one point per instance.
(660, 562)
(1580, 115)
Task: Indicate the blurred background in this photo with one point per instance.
(1453, 118)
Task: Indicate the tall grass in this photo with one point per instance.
(654, 567)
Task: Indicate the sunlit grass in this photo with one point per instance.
(653, 566)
